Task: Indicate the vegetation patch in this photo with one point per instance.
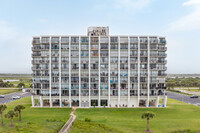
(177, 91)
(8, 91)
(178, 116)
(183, 82)
(91, 127)
(35, 119)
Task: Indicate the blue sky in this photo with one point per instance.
(178, 20)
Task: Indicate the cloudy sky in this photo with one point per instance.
(178, 20)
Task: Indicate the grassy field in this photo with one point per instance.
(192, 90)
(45, 120)
(177, 116)
(8, 91)
(26, 80)
(176, 91)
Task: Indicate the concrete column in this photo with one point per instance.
(148, 71)
(138, 71)
(89, 73)
(70, 98)
(109, 72)
(79, 72)
(157, 101)
(60, 99)
(50, 100)
(33, 101)
(118, 71)
(99, 98)
(165, 101)
(129, 105)
(147, 102)
(51, 103)
(41, 101)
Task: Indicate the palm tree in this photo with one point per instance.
(94, 104)
(148, 115)
(2, 108)
(11, 114)
(19, 108)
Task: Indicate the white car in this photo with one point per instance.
(2, 96)
(15, 97)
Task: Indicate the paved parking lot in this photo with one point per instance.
(183, 98)
(8, 97)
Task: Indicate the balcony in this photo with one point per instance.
(95, 55)
(162, 74)
(162, 48)
(104, 47)
(142, 54)
(162, 55)
(162, 68)
(133, 54)
(163, 41)
(162, 61)
(36, 54)
(36, 40)
(153, 54)
(36, 68)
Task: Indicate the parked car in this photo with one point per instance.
(15, 97)
(194, 96)
(2, 96)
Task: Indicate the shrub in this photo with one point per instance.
(182, 131)
(87, 120)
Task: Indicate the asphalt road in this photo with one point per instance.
(8, 97)
(183, 98)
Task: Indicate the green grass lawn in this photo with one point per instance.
(177, 116)
(177, 91)
(8, 91)
(192, 90)
(40, 120)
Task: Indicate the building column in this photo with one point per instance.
(33, 101)
(79, 72)
(89, 72)
(129, 105)
(60, 99)
(51, 103)
(157, 101)
(165, 101)
(41, 101)
(147, 102)
(99, 98)
(70, 98)
(148, 70)
(109, 72)
(50, 100)
(138, 71)
(118, 71)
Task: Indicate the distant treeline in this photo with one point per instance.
(10, 85)
(6, 84)
(14, 75)
(182, 82)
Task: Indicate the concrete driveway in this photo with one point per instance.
(8, 97)
(183, 98)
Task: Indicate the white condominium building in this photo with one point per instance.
(99, 70)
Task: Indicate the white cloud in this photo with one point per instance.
(132, 4)
(190, 21)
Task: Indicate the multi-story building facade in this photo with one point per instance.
(99, 70)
